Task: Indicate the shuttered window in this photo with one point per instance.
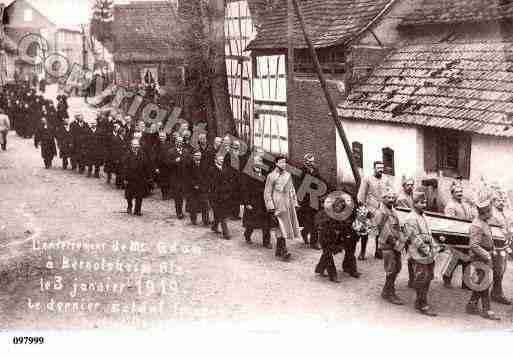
(388, 161)
(448, 152)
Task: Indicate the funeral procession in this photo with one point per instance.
(326, 161)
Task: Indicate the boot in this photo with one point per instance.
(314, 242)
(490, 315)
(285, 253)
(447, 281)
(109, 177)
(471, 307)
(304, 234)
(363, 247)
(247, 236)
(498, 293)
(279, 249)
(411, 274)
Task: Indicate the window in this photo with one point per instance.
(357, 148)
(27, 15)
(388, 161)
(447, 152)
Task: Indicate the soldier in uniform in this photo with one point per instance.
(255, 213)
(405, 200)
(503, 248)
(391, 243)
(456, 208)
(481, 251)
(370, 194)
(306, 213)
(423, 249)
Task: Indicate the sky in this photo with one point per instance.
(67, 12)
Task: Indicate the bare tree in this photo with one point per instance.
(203, 41)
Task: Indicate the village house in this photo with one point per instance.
(147, 44)
(299, 116)
(440, 105)
(29, 17)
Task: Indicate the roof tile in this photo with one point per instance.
(453, 95)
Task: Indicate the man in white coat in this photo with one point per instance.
(280, 200)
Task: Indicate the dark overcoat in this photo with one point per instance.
(196, 189)
(137, 172)
(252, 190)
(45, 137)
(220, 192)
(65, 141)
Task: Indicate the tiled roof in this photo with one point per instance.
(466, 87)
(146, 31)
(459, 11)
(328, 22)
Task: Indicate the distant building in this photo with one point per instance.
(146, 44)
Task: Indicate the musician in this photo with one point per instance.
(457, 208)
(481, 251)
(391, 243)
(500, 260)
(405, 200)
(370, 194)
(422, 250)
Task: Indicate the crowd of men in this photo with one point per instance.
(414, 236)
(219, 178)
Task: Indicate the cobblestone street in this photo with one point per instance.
(193, 273)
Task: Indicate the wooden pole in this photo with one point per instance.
(324, 86)
(290, 63)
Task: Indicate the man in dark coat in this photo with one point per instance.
(255, 215)
(136, 173)
(234, 162)
(178, 160)
(220, 195)
(115, 150)
(306, 213)
(65, 142)
(79, 131)
(162, 164)
(197, 190)
(45, 137)
(207, 152)
(94, 151)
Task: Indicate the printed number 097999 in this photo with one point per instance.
(28, 340)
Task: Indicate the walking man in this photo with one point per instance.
(405, 200)
(503, 249)
(255, 213)
(280, 200)
(423, 250)
(370, 194)
(481, 252)
(5, 126)
(456, 208)
(391, 243)
(220, 195)
(306, 213)
(137, 174)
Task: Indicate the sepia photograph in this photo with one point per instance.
(256, 177)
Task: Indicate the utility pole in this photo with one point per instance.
(290, 62)
(331, 103)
